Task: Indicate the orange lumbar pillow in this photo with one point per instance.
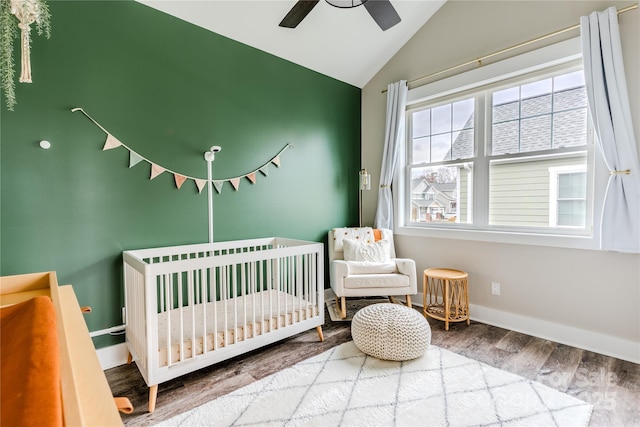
(30, 375)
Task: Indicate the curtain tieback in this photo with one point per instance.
(384, 186)
(624, 172)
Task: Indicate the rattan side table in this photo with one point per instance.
(446, 295)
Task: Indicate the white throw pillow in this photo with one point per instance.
(355, 250)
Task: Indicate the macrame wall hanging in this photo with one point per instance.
(27, 12)
(180, 178)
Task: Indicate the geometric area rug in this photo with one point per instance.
(345, 387)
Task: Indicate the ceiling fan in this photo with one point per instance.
(382, 11)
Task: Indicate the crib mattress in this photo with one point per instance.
(227, 322)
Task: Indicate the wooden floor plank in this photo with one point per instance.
(560, 367)
(513, 342)
(528, 360)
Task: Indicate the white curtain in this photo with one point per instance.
(393, 138)
(609, 106)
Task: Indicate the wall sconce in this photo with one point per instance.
(364, 184)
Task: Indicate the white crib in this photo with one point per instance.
(191, 306)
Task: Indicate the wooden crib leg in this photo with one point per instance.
(129, 358)
(319, 329)
(153, 394)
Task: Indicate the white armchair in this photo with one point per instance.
(362, 262)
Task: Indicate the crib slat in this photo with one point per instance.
(214, 298)
(191, 302)
(205, 300)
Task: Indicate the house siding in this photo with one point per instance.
(519, 192)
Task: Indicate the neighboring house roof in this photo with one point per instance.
(568, 126)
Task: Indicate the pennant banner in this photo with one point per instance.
(156, 170)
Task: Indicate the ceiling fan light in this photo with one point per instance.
(345, 4)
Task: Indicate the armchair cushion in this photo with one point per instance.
(365, 267)
(356, 250)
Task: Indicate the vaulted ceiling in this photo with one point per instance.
(343, 43)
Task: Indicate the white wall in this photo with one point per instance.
(586, 298)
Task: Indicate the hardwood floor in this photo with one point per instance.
(611, 385)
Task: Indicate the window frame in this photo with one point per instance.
(563, 56)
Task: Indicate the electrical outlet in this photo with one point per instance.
(495, 288)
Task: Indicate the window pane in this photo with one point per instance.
(441, 147)
(535, 133)
(569, 99)
(570, 128)
(463, 114)
(505, 138)
(521, 191)
(572, 213)
(568, 81)
(441, 194)
(463, 145)
(572, 185)
(421, 122)
(441, 119)
(506, 111)
(421, 150)
(506, 96)
(535, 89)
(536, 106)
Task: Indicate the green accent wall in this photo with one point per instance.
(169, 90)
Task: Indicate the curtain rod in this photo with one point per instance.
(510, 48)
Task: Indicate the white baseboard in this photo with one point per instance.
(563, 334)
(569, 335)
(112, 356)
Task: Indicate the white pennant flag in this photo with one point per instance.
(111, 142)
(218, 185)
(235, 182)
(200, 183)
(156, 170)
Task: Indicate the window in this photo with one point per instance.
(567, 197)
(513, 155)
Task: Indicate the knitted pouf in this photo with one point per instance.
(390, 332)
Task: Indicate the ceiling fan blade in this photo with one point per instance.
(383, 13)
(298, 13)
